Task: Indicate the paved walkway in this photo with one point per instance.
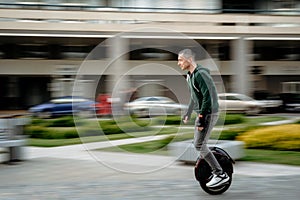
(83, 172)
(73, 172)
(92, 151)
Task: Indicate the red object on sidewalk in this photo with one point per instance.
(103, 104)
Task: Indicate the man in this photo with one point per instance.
(204, 101)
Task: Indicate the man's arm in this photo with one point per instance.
(187, 116)
(204, 81)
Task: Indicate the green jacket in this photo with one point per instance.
(204, 97)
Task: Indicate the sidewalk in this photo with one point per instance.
(146, 162)
(84, 171)
(73, 172)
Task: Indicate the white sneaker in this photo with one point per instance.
(218, 180)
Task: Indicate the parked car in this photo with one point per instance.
(291, 102)
(153, 106)
(271, 103)
(66, 105)
(239, 103)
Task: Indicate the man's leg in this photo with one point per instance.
(200, 142)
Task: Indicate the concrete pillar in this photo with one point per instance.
(118, 80)
(118, 67)
(241, 81)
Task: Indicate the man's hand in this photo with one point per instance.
(199, 123)
(185, 119)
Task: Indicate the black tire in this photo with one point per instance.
(203, 171)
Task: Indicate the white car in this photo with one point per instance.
(154, 106)
(239, 103)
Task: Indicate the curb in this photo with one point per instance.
(186, 152)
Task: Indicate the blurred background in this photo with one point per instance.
(255, 45)
(114, 52)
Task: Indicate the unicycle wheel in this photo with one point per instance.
(203, 172)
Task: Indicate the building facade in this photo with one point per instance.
(48, 45)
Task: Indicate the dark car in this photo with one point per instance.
(63, 106)
(291, 102)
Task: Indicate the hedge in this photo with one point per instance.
(230, 134)
(66, 121)
(232, 119)
(168, 120)
(51, 133)
(223, 119)
(122, 125)
(283, 137)
(64, 127)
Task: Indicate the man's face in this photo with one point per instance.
(183, 63)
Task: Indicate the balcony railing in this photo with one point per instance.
(111, 21)
(103, 6)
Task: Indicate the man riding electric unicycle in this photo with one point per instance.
(204, 101)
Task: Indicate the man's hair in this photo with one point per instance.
(187, 53)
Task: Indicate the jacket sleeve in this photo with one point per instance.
(203, 82)
(190, 108)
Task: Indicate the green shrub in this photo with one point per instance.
(168, 120)
(50, 132)
(140, 122)
(64, 127)
(132, 127)
(89, 131)
(121, 126)
(283, 137)
(232, 119)
(66, 121)
(39, 122)
(230, 134)
(69, 133)
(226, 119)
(223, 119)
(35, 131)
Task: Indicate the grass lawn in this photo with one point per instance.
(255, 121)
(270, 156)
(263, 119)
(61, 142)
(160, 146)
(255, 155)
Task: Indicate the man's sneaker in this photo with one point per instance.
(218, 180)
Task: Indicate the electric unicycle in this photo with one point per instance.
(203, 171)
